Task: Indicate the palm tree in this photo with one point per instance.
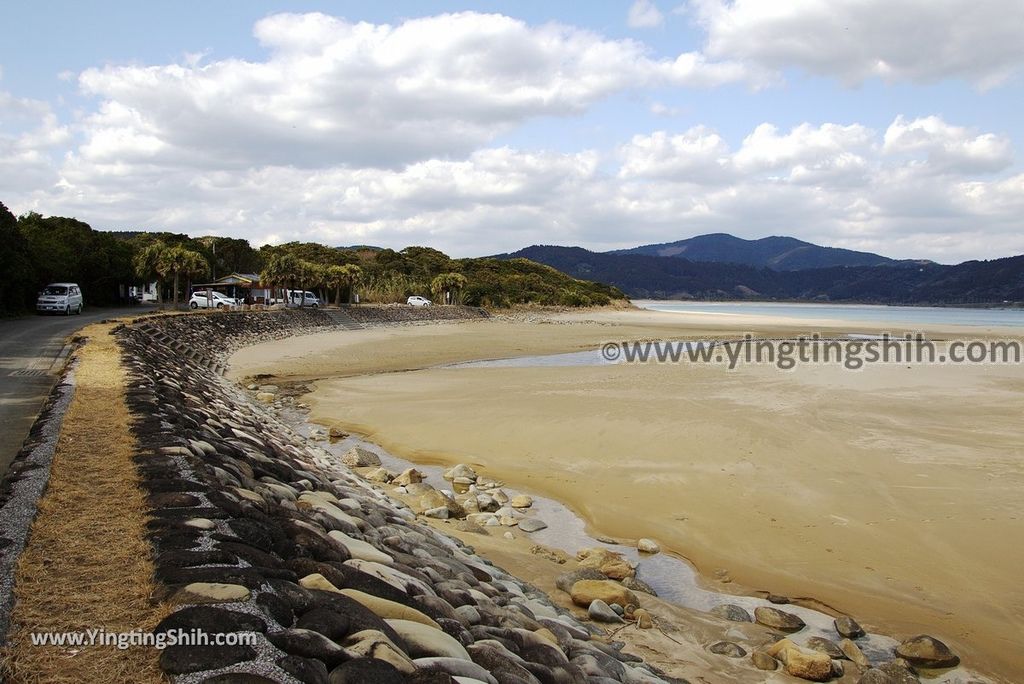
(316, 278)
(448, 287)
(281, 270)
(145, 264)
(336, 278)
(353, 276)
(177, 261)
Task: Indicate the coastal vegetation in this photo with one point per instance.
(107, 265)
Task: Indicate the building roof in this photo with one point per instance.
(239, 279)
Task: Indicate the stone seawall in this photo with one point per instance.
(258, 532)
(399, 313)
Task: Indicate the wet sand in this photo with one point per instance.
(893, 494)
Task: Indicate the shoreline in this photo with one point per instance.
(700, 554)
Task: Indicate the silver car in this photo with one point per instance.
(64, 298)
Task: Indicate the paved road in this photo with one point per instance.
(30, 357)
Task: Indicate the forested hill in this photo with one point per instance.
(660, 277)
(776, 252)
(108, 265)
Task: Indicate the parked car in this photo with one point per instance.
(305, 298)
(416, 300)
(65, 298)
(209, 300)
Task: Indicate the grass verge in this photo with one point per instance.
(87, 564)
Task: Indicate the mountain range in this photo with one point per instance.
(778, 253)
(723, 267)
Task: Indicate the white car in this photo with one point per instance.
(65, 298)
(302, 297)
(416, 300)
(210, 300)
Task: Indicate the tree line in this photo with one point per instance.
(38, 250)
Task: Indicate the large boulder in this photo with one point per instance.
(826, 646)
(778, 619)
(648, 546)
(852, 652)
(357, 457)
(532, 524)
(408, 476)
(599, 611)
(427, 642)
(732, 612)
(610, 564)
(436, 499)
(727, 648)
(927, 651)
(848, 627)
(585, 592)
(461, 471)
(815, 667)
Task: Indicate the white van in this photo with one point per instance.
(303, 298)
(65, 298)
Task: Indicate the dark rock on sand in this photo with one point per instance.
(763, 661)
(848, 627)
(599, 611)
(778, 619)
(829, 648)
(637, 584)
(730, 611)
(927, 651)
(899, 672)
(875, 676)
(727, 648)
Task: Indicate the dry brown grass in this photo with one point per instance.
(87, 564)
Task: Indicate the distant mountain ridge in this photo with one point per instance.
(669, 277)
(776, 252)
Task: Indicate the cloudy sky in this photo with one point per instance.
(888, 125)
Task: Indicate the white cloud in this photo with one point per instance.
(829, 154)
(30, 132)
(697, 156)
(949, 148)
(644, 14)
(333, 92)
(854, 40)
(839, 184)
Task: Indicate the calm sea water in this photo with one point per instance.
(852, 313)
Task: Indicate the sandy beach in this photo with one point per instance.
(893, 494)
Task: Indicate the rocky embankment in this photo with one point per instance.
(260, 532)
(398, 314)
(256, 531)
